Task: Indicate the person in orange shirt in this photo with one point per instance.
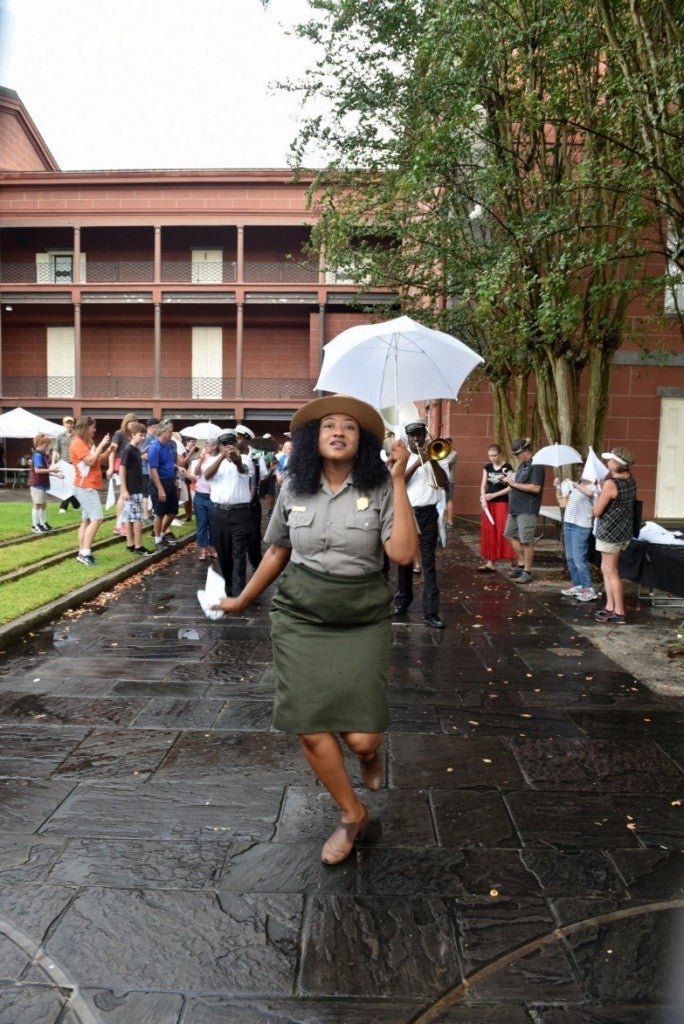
(87, 459)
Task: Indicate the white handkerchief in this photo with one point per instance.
(214, 591)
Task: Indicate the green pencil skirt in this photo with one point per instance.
(331, 643)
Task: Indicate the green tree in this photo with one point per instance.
(482, 161)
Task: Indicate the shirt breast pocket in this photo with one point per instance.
(300, 525)
(362, 531)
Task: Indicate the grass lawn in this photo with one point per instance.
(17, 597)
(15, 518)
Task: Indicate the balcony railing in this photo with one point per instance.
(112, 387)
(172, 272)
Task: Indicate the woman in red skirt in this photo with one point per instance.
(494, 501)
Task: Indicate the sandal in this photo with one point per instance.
(484, 568)
(341, 843)
(604, 615)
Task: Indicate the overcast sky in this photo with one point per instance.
(116, 84)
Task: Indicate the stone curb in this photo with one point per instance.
(17, 628)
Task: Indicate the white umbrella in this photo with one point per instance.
(22, 423)
(556, 455)
(396, 361)
(205, 431)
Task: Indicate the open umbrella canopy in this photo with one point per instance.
(22, 423)
(396, 361)
(556, 455)
(204, 431)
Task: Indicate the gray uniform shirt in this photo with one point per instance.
(340, 533)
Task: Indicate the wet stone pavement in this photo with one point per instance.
(159, 845)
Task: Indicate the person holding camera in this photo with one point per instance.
(231, 478)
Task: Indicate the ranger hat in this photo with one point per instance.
(365, 415)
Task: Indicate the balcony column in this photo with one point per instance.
(78, 384)
(157, 255)
(316, 343)
(238, 349)
(78, 276)
(240, 270)
(321, 264)
(1, 387)
(157, 350)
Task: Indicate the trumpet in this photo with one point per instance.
(436, 450)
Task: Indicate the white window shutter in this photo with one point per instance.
(45, 273)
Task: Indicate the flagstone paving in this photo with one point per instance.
(159, 844)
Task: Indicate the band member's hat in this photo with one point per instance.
(415, 427)
(227, 437)
(245, 431)
(520, 444)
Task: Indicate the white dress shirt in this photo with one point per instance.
(229, 486)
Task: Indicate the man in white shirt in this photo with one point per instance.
(245, 438)
(424, 482)
(230, 476)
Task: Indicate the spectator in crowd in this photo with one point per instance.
(120, 440)
(152, 425)
(614, 511)
(87, 459)
(494, 493)
(161, 459)
(526, 484)
(39, 482)
(130, 474)
(60, 452)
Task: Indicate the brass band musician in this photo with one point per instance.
(425, 479)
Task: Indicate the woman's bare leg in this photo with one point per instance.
(324, 754)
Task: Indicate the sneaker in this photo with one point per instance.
(524, 577)
(85, 559)
(61, 511)
(586, 594)
(168, 538)
(121, 530)
(517, 571)
(571, 591)
(176, 522)
(141, 551)
(37, 529)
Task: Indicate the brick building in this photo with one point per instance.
(191, 294)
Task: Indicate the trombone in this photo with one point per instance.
(436, 450)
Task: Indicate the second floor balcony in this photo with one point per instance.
(113, 387)
(173, 271)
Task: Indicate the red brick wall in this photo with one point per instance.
(17, 152)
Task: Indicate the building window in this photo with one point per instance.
(58, 267)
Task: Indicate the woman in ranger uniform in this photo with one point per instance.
(340, 510)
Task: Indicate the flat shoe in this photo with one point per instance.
(201, 558)
(372, 773)
(341, 843)
(484, 568)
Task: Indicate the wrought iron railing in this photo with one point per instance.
(112, 386)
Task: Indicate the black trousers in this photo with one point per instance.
(427, 520)
(231, 529)
(71, 500)
(254, 549)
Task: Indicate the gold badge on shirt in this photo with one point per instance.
(362, 504)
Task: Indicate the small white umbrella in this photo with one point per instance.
(396, 361)
(205, 431)
(556, 455)
(22, 423)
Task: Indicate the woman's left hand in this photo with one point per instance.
(397, 460)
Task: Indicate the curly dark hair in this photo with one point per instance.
(305, 463)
